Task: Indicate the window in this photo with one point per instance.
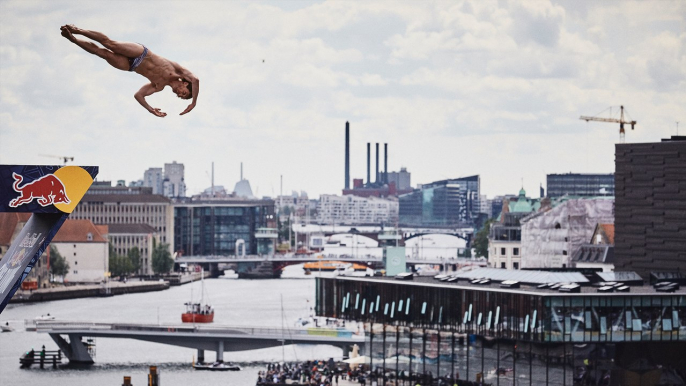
(515, 265)
(502, 265)
(502, 252)
(76, 263)
(515, 251)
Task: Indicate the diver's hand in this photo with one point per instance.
(158, 112)
(188, 109)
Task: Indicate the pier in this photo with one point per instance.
(69, 336)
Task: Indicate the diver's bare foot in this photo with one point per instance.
(67, 34)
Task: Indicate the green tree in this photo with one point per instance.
(119, 265)
(58, 264)
(134, 255)
(480, 242)
(162, 261)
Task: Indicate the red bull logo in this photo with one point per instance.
(47, 190)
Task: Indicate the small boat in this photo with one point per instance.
(198, 312)
(330, 266)
(45, 317)
(6, 327)
(216, 366)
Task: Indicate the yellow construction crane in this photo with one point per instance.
(621, 121)
(63, 158)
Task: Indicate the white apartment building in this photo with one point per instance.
(153, 178)
(85, 248)
(174, 184)
(351, 209)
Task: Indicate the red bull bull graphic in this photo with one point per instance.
(49, 192)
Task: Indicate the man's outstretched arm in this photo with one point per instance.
(146, 90)
(195, 82)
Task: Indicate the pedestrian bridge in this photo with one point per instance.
(69, 336)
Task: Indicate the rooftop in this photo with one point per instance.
(494, 285)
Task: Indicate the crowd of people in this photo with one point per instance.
(319, 373)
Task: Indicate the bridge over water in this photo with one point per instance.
(275, 263)
(69, 336)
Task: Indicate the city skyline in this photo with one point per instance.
(455, 89)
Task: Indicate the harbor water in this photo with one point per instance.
(252, 303)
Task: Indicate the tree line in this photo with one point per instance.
(120, 265)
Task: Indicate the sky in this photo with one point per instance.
(455, 88)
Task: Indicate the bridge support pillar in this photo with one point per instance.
(220, 351)
(201, 356)
(75, 350)
(214, 270)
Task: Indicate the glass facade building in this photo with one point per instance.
(442, 203)
(213, 228)
(583, 185)
(532, 335)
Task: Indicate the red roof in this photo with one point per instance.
(76, 231)
(609, 230)
(8, 224)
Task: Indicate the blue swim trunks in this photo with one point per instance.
(135, 62)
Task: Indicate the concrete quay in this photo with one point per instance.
(87, 290)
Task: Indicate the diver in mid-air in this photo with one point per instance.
(127, 56)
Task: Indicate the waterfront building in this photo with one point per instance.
(502, 326)
(447, 202)
(85, 247)
(580, 185)
(106, 205)
(551, 237)
(650, 206)
(505, 235)
(216, 227)
(351, 209)
(127, 236)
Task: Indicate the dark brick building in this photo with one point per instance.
(650, 206)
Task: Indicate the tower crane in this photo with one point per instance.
(63, 158)
(621, 122)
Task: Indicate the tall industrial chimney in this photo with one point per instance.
(347, 155)
(377, 163)
(369, 161)
(385, 163)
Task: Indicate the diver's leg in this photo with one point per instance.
(127, 49)
(117, 61)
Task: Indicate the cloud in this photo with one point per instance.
(455, 88)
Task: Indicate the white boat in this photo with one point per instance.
(44, 317)
(6, 327)
(216, 366)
